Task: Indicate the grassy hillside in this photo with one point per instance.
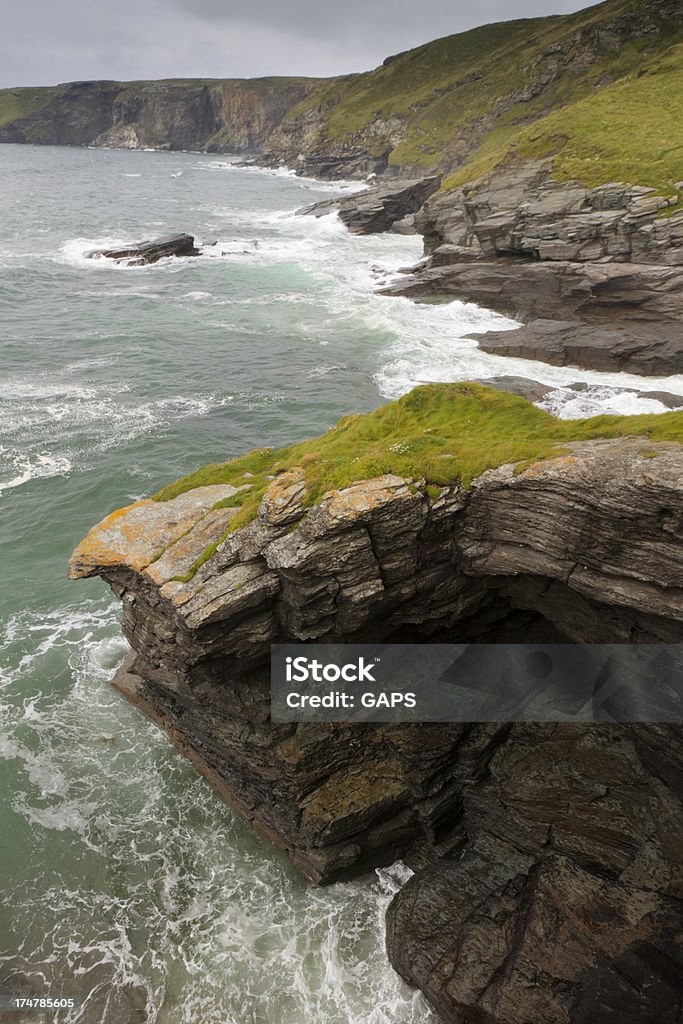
(439, 433)
(630, 130)
(601, 89)
(18, 103)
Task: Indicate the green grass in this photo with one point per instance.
(18, 103)
(440, 433)
(468, 102)
(411, 81)
(629, 131)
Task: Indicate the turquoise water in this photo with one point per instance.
(127, 883)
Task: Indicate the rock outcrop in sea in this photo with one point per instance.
(386, 208)
(546, 857)
(140, 253)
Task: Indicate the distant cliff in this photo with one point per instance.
(216, 115)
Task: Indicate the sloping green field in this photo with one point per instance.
(602, 90)
(18, 103)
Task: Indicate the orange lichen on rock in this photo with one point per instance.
(135, 536)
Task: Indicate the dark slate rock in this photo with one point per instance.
(150, 251)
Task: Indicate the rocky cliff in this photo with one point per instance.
(596, 92)
(594, 275)
(521, 210)
(216, 115)
(546, 856)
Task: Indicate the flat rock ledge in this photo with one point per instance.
(535, 391)
(601, 316)
(547, 886)
(387, 208)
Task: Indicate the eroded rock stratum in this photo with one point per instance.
(547, 885)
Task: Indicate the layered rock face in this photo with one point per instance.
(225, 116)
(521, 210)
(595, 276)
(546, 855)
(564, 903)
(604, 316)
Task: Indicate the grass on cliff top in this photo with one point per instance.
(17, 103)
(442, 433)
(630, 130)
(472, 100)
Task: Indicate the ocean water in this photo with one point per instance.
(127, 884)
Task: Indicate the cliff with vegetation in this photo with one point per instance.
(545, 855)
(598, 92)
(224, 115)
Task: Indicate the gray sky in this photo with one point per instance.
(48, 41)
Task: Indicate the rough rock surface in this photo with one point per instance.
(521, 210)
(379, 209)
(149, 252)
(650, 352)
(582, 547)
(564, 903)
(604, 316)
(595, 275)
(546, 856)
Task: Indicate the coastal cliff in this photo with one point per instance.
(535, 157)
(562, 532)
(226, 115)
(596, 92)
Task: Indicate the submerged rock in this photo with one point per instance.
(525, 387)
(379, 209)
(535, 391)
(149, 252)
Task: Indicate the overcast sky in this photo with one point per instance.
(48, 41)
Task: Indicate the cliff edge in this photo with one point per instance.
(546, 855)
